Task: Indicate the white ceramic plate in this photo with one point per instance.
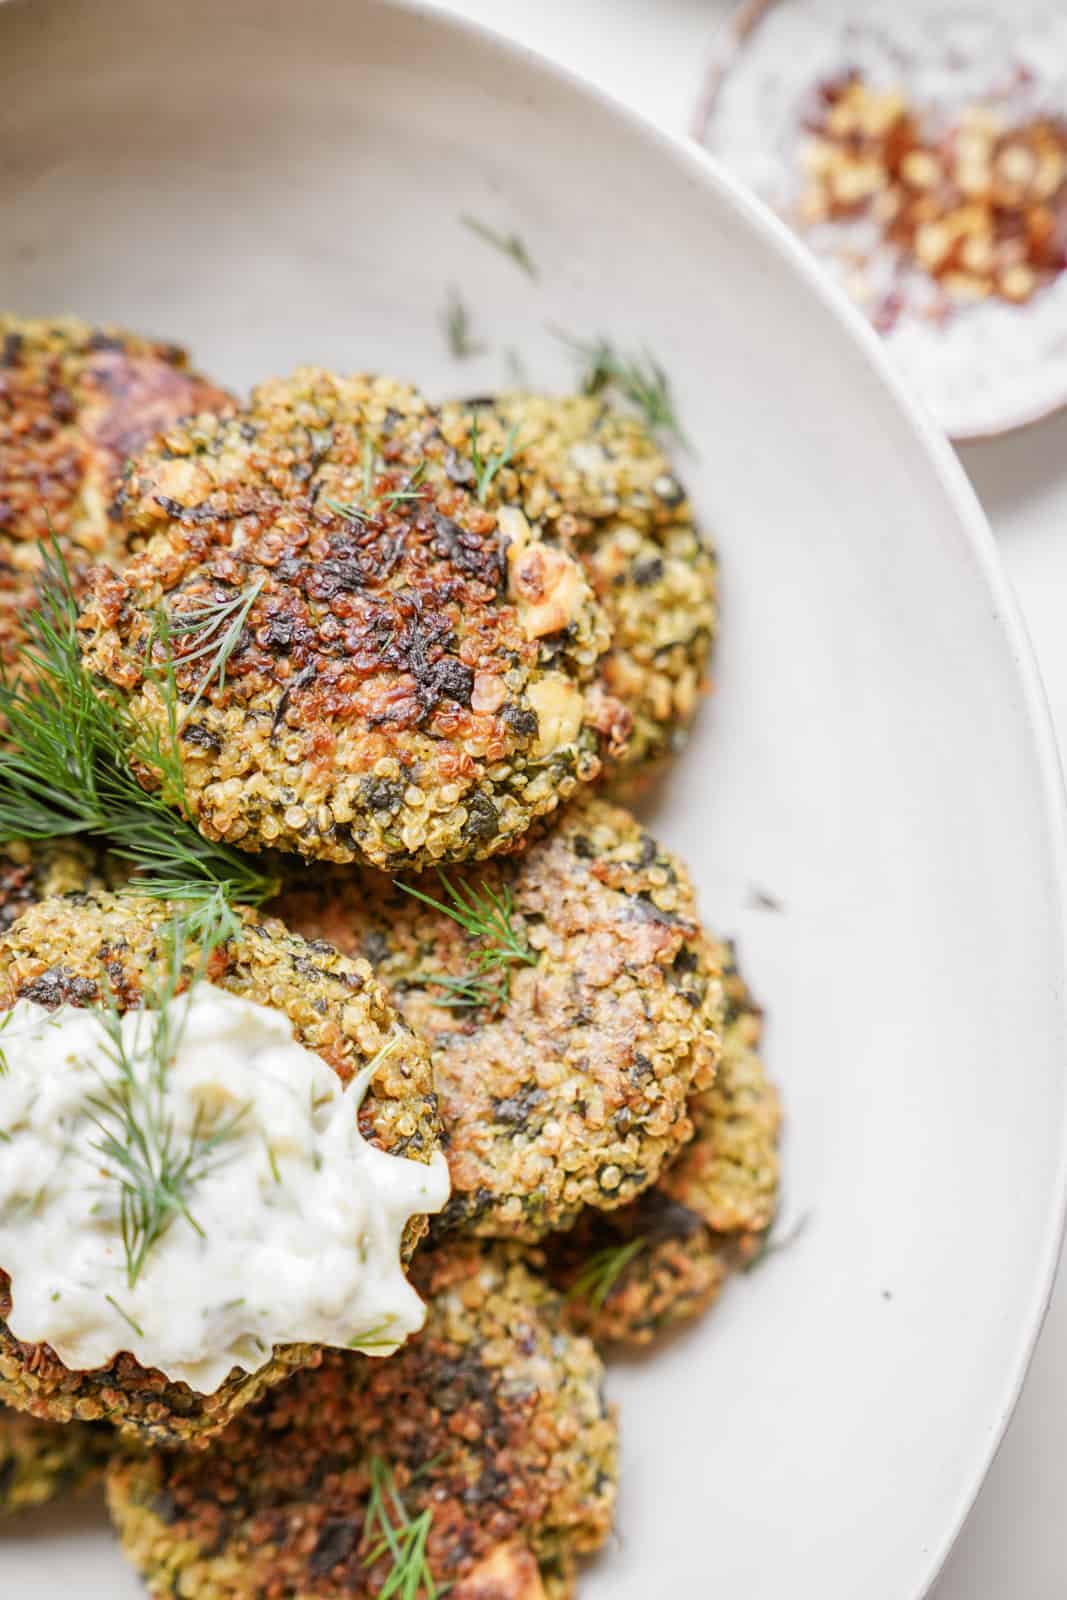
(273, 182)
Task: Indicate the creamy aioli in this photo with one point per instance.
(297, 1218)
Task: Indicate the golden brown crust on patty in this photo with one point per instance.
(574, 1090)
(61, 952)
(410, 685)
(40, 1461)
(491, 1418)
(30, 872)
(707, 1215)
(75, 403)
(594, 478)
(729, 1173)
(626, 1300)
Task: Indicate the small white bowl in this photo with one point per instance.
(982, 369)
(275, 182)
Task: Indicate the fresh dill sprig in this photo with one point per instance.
(412, 490)
(377, 503)
(404, 1539)
(485, 915)
(349, 510)
(208, 917)
(509, 244)
(473, 991)
(487, 467)
(638, 378)
(602, 1272)
(73, 749)
(456, 323)
(155, 1167)
(376, 1338)
(214, 630)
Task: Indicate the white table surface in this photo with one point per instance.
(651, 53)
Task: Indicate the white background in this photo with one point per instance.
(652, 53)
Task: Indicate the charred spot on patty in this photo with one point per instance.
(400, 639)
(490, 1424)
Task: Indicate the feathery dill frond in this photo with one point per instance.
(73, 749)
(638, 378)
(487, 467)
(403, 1539)
(156, 1168)
(486, 916)
(602, 1272)
(213, 631)
(509, 244)
(474, 991)
(376, 503)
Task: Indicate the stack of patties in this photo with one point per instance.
(375, 664)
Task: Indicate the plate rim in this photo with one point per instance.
(963, 499)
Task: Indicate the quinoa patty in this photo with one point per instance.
(705, 1217)
(570, 1090)
(490, 1419)
(410, 683)
(75, 402)
(58, 953)
(41, 1460)
(594, 478)
(30, 872)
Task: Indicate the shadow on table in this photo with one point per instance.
(1017, 466)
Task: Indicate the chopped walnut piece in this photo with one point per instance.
(980, 206)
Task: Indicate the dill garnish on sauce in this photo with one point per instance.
(156, 1168)
(125, 1315)
(376, 1338)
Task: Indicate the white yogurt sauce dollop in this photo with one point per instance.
(296, 1219)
